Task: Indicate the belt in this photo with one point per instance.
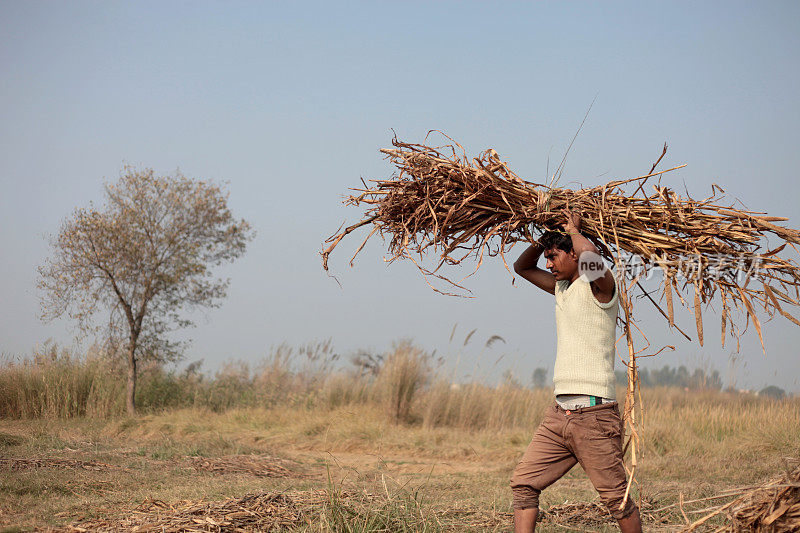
(580, 410)
(573, 401)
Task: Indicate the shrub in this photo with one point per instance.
(403, 372)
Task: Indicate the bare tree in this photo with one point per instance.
(145, 256)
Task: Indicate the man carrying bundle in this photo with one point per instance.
(584, 426)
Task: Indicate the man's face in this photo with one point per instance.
(563, 265)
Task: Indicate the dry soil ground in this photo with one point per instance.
(343, 470)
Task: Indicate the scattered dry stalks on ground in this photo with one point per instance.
(17, 463)
(253, 512)
(256, 465)
(333, 510)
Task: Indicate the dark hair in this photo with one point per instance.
(556, 239)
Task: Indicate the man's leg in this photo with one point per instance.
(545, 460)
(525, 520)
(596, 438)
(631, 523)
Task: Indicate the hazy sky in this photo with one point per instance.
(289, 103)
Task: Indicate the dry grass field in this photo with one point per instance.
(345, 452)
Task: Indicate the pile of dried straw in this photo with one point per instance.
(773, 507)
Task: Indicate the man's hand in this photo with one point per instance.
(572, 221)
(604, 286)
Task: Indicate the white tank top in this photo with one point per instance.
(586, 330)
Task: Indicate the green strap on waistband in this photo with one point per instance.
(592, 401)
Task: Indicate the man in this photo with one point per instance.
(584, 426)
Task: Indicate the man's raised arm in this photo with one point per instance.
(603, 286)
(526, 267)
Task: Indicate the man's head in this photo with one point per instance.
(561, 258)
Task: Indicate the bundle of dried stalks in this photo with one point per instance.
(773, 507)
(455, 208)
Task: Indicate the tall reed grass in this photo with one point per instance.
(403, 383)
(55, 383)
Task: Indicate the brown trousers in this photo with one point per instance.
(591, 436)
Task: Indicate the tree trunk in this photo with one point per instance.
(130, 400)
